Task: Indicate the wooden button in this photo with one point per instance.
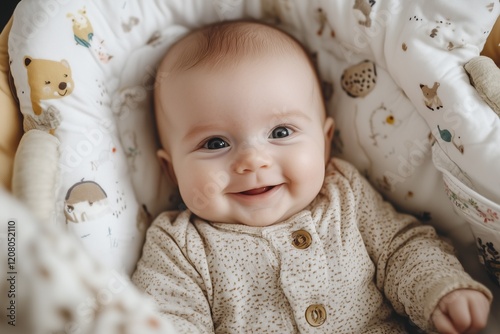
(316, 315)
(301, 239)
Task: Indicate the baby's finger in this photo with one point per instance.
(459, 315)
(479, 315)
(443, 323)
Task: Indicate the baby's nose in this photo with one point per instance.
(249, 160)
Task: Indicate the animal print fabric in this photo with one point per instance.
(391, 71)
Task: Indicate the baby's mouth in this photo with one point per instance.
(257, 191)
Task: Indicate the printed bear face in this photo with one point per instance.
(48, 79)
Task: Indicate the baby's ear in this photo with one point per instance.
(166, 164)
(328, 131)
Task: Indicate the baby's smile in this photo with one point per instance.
(263, 193)
(257, 191)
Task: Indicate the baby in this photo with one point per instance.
(277, 237)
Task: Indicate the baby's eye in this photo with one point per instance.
(280, 132)
(215, 144)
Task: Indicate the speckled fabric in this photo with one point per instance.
(363, 261)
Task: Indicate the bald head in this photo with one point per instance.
(226, 43)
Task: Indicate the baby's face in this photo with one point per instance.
(248, 142)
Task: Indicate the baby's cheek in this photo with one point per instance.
(199, 188)
(309, 160)
(308, 168)
(192, 194)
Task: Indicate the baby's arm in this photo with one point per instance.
(461, 311)
(415, 268)
(174, 277)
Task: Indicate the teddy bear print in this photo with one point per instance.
(359, 80)
(82, 28)
(84, 201)
(362, 10)
(47, 79)
(431, 98)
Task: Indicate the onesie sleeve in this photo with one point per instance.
(175, 273)
(414, 267)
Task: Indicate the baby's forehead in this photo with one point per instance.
(216, 48)
(224, 44)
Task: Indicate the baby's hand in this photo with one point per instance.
(461, 311)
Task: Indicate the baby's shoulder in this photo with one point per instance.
(169, 218)
(172, 224)
(338, 169)
(342, 179)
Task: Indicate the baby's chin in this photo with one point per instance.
(274, 209)
(261, 219)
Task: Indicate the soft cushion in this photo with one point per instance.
(392, 75)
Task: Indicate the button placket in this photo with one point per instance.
(304, 271)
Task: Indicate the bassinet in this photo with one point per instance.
(417, 128)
